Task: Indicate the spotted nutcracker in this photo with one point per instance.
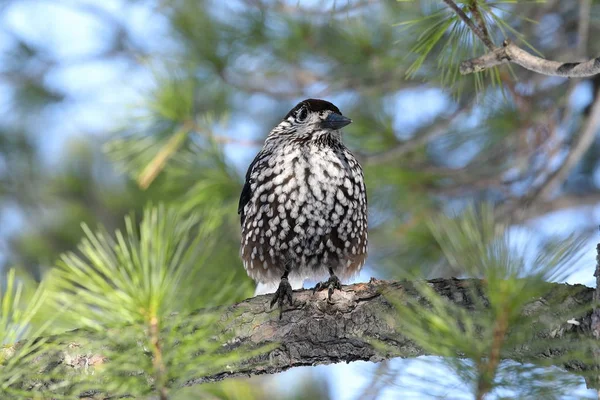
(303, 207)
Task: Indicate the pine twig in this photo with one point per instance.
(487, 371)
(157, 359)
(481, 22)
(474, 28)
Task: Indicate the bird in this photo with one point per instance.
(303, 206)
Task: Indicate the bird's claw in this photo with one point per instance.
(284, 291)
(331, 284)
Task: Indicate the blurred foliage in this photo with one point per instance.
(148, 274)
(20, 307)
(475, 342)
(134, 298)
(223, 74)
(211, 78)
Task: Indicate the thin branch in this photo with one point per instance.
(518, 210)
(378, 383)
(510, 52)
(314, 331)
(424, 136)
(239, 142)
(582, 41)
(157, 359)
(577, 151)
(157, 164)
(480, 21)
(559, 203)
(297, 8)
(476, 30)
(558, 176)
(487, 371)
(583, 29)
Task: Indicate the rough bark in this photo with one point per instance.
(313, 331)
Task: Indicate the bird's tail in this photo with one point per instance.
(264, 288)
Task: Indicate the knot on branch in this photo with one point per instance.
(492, 59)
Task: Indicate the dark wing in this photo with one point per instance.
(247, 191)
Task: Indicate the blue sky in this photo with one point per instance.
(104, 93)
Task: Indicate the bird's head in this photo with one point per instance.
(311, 120)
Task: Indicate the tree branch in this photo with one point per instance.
(510, 52)
(434, 130)
(583, 28)
(564, 202)
(313, 331)
(481, 22)
(576, 152)
(476, 30)
(517, 210)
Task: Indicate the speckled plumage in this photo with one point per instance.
(303, 207)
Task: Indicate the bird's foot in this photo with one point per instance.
(331, 284)
(284, 291)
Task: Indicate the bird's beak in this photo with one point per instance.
(335, 121)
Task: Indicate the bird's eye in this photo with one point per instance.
(302, 114)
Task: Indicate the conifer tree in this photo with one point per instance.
(474, 120)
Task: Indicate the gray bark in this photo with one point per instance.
(510, 52)
(313, 331)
